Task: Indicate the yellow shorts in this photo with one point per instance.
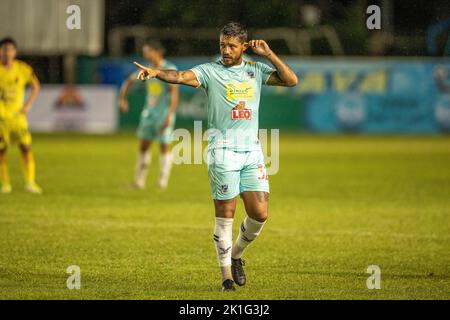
(14, 130)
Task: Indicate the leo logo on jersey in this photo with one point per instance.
(239, 112)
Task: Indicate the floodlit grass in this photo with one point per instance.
(338, 205)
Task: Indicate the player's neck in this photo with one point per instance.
(237, 64)
(158, 63)
(7, 64)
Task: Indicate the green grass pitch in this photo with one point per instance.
(338, 205)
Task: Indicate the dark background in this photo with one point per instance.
(410, 19)
(405, 27)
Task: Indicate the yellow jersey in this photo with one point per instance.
(13, 82)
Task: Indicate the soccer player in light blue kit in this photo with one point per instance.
(235, 161)
(157, 118)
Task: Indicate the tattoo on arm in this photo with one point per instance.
(275, 80)
(171, 76)
(178, 77)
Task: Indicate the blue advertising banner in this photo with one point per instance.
(374, 96)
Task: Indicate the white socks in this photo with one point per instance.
(223, 239)
(142, 166)
(165, 164)
(248, 231)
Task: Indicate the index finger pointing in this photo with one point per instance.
(139, 65)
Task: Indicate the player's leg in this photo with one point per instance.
(142, 163)
(256, 205)
(29, 169)
(224, 182)
(165, 165)
(147, 132)
(20, 131)
(255, 194)
(165, 139)
(223, 238)
(4, 172)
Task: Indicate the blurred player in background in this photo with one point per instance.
(15, 76)
(235, 160)
(157, 119)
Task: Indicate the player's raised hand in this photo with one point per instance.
(145, 72)
(260, 47)
(26, 108)
(123, 105)
(166, 123)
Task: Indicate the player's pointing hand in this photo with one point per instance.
(145, 72)
(260, 47)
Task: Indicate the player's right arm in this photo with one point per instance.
(186, 77)
(33, 81)
(123, 100)
(35, 89)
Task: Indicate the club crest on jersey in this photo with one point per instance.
(224, 188)
(239, 112)
(251, 74)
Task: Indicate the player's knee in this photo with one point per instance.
(225, 211)
(25, 149)
(2, 146)
(144, 146)
(261, 216)
(259, 213)
(165, 148)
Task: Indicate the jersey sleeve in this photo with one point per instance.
(202, 74)
(28, 73)
(264, 71)
(171, 66)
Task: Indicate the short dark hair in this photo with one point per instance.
(235, 29)
(155, 44)
(8, 40)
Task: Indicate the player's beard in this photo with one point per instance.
(229, 62)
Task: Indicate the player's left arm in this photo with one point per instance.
(174, 98)
(283, 76)
(35, 89)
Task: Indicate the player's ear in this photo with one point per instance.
(246, 45)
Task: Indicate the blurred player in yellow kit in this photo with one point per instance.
(15, 76)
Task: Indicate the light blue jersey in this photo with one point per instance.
(156, 109)
(233, 102)
(157, 97)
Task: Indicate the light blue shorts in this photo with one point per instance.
(150, 131)
(233, 172)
